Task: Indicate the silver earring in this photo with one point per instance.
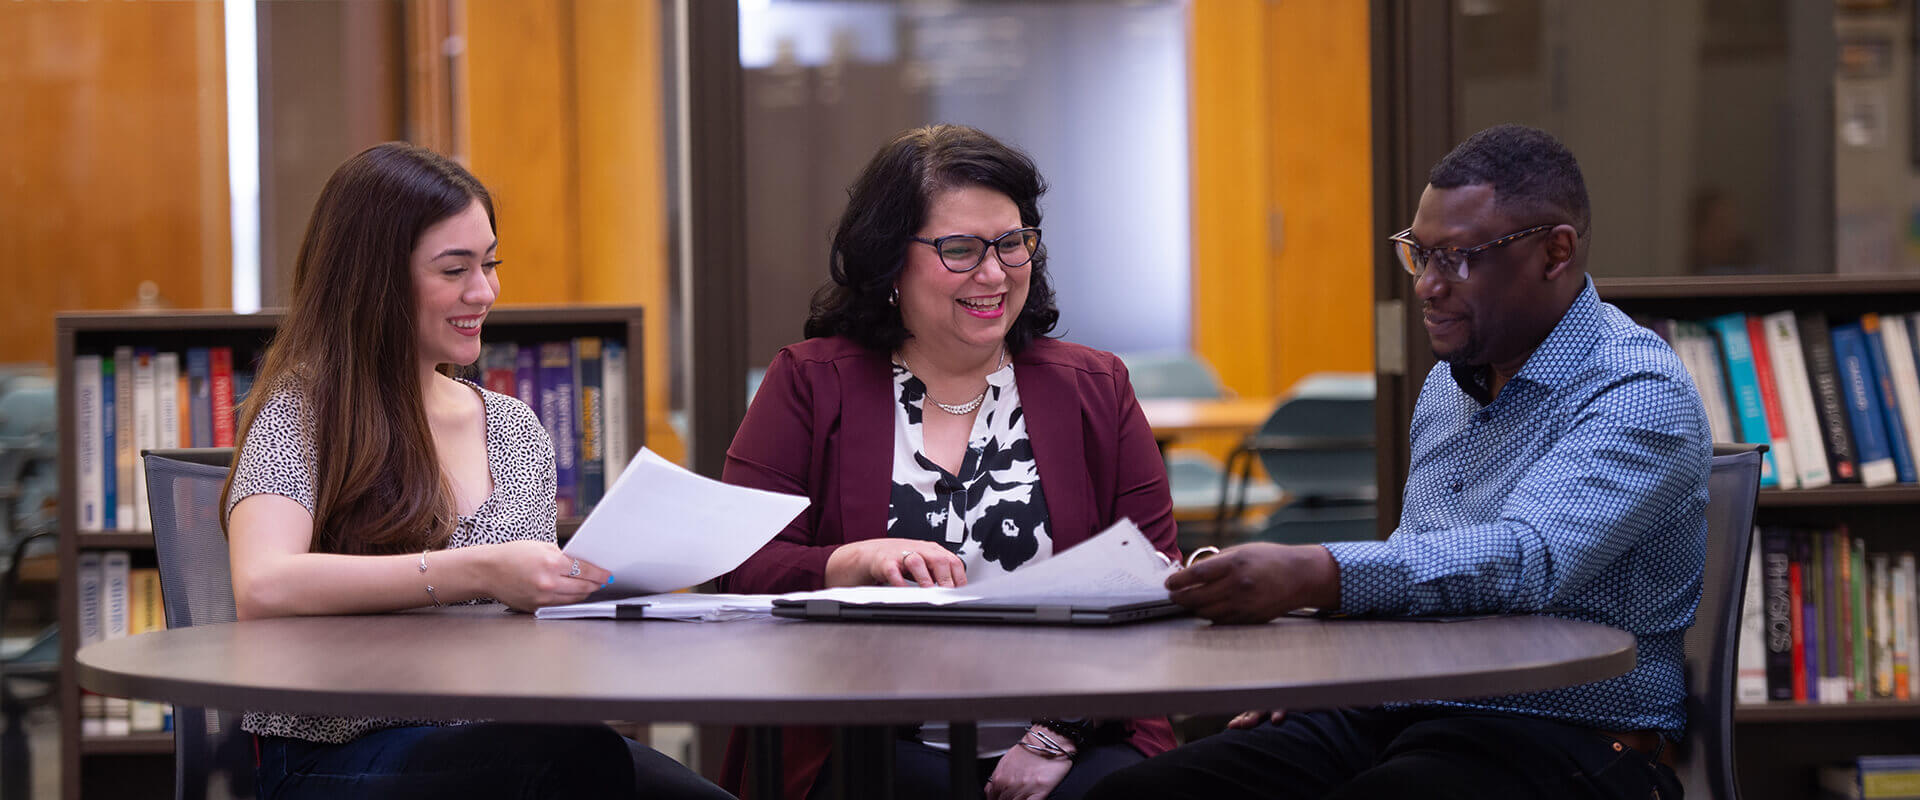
(894, 299)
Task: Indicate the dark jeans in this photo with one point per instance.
(920, 772)
(1381, 753)
(484, 760)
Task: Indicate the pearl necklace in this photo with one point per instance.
(965, 408)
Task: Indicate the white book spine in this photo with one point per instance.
(87, 579)
(115, 569)
(146, 433)
(613, 394)
(88, 436)
(1796, 399)
(123, 439)
(166, 398)
(1905, 379)
(1750, 676)
(1702, 360)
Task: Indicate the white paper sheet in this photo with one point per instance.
(661, 528)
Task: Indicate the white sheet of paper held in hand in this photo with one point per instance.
(1118, 562)
(661, 528)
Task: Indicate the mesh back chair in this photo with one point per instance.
(1706, 758)
(213, 759)
(1318, 448)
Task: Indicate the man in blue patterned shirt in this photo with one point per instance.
(1559, 466)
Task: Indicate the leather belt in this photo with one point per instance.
(1650, 743)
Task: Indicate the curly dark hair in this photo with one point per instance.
(888, 203)
(1532, 174)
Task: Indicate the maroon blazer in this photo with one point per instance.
(822, 426)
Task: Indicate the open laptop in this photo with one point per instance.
(1117, 610)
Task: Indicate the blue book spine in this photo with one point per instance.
(1861, 389)
(1889, 402)
(557, 412)
(199, 397)
(109, 444)
(526, 376)
(1745, 385)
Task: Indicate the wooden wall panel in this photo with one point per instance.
(112, 162)
(1282, 193)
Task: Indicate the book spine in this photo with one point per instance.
(1862, 614)
(200, 396)
(614, 396)
(146, 431)
(86, 442)
(1830, 405)
(1750, 410)
(221, 393)
(1863, 406)
(588, 377)
(1785, 454)
(1906, 623)
(556, 412)
(1905, 376)
(114, 569)
(1796, 399)
(1889, 402)
(109, 448)
(123, 449)
(1750, 677)
(1816, 658)
(526, 377)
(1702, 360)
(166, 399)
(1833, 672)
(88, 578)
(1881, 590)
(143, 590)
(1775, 568)
(497, 363)
(1797, 578)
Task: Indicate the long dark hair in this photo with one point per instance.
(888, 203)
(348, 346)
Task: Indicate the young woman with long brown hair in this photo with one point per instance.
(369, 480)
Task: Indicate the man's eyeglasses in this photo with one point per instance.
(1452, 261)
(962, 252)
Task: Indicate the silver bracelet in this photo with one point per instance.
(1048, 748)
(423, 570)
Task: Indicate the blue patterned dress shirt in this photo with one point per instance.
(1580, 492)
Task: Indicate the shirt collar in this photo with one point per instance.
(1556, 359)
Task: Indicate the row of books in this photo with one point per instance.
(1872, 778)
(1824, 621)
(137, 398)
(118, 600)
(1837, 401)
(578, 388)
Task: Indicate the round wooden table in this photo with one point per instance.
(483, 662)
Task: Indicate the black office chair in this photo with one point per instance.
(26, 680)
(213, 759)
(1706, 757)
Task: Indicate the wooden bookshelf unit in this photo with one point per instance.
(133, 765)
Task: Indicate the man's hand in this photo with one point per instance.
(1254, 583)
(1254, 719)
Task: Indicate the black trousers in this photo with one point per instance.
(920, 772)
(1395, 753)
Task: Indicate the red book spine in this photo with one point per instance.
(220, 385)
(1763, 374)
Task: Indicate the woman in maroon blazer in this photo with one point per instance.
(943, 438)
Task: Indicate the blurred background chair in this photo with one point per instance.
(213, 758)
(29, 664)
(1195, 478)
(1317, 449)
(29, 442)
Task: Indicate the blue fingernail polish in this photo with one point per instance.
(608, 583)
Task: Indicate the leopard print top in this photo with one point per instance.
(278, 457)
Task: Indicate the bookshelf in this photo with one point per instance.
(142, 764)
(1779, 744)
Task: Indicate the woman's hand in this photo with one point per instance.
(1253, 719)
(1025, 775)
(528, 574)
(895, 562)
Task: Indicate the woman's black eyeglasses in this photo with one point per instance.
(962, 252)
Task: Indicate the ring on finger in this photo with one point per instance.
(904, 555)
(575, 572)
